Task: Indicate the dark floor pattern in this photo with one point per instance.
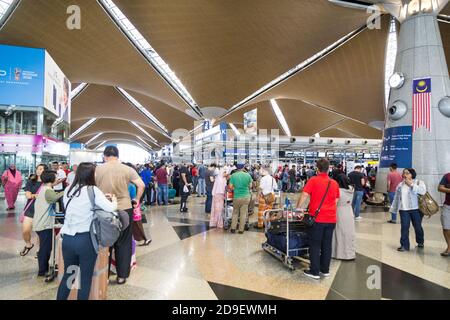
(224, 292)
(185, 232)
(351, 280)
(400, 285)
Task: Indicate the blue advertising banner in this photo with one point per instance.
(22, 76)
(397, 147)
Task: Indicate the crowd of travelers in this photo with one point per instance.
(331, 192)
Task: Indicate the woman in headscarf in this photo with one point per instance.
(218, 192)
(12, 182)
(343, 247)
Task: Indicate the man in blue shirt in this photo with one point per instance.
(147, 177)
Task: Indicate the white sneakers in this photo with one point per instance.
(358, 218)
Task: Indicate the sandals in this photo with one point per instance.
(25, 250)
(146, 243)
(445, 254)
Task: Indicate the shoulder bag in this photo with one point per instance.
(270, 197)
(310, 220)
(427, 205)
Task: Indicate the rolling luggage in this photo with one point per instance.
(297, 241)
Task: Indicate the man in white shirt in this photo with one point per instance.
(71, 175)
(59, 183)
(266, 190)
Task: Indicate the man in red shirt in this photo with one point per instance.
(393, 180)
(324, 195)
(162, 180)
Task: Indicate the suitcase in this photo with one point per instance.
(297, 240)
(99, 284)
(280, 226)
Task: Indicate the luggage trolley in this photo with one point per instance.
(57, 225)
(286, 257)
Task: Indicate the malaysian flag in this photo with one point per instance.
(421, 104)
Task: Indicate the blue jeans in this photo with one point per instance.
(415, 217)
(320, 246)
(391, 196)
(163, 194)
(201, 186)
(209, 199)
(77, 251)
(356, 203)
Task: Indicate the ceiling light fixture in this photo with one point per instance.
(145, 142)
(235, 130)
(148, 52)
(280, 117)
(94, 138)
(144, 132)
(100, 145)
(82, 128)
(142, 109)
(7, 8)
(76, 92)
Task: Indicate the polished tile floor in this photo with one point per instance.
(188, 260)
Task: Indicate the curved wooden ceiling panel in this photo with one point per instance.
(97, 53)
(305, 120)
(98, 101)
(223, 51)
(116, 126)
(113, 136)
(350, 80)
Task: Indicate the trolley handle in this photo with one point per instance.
(57, 215)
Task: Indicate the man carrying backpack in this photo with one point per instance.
(113, 177)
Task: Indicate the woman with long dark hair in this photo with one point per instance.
(77, 247)
(32, 190)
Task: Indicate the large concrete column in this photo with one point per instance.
(420, 56)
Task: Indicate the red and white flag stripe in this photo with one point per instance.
(422, 111)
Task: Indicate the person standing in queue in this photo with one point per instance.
(185, 186)
(77, 247)
(344, 235)
(393, 180)
(113, 177)
(240, 183)
(146, 176)
(209, 185)
(12, 182)
(358, 182)
(163, 182)
(32, 190)
(444, 187)
(201, 180)
(59, 183)
(406, 202)
(43, 222)
(324, 196)
(266, 195)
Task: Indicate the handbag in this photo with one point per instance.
(427, 205)
(310, 220)
(22, 214)
(270, 197)
(137, 214)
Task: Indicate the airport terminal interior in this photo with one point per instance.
(203, 102)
